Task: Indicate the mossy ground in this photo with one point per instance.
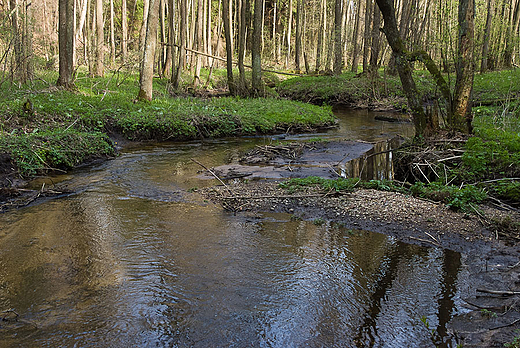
(43, 127)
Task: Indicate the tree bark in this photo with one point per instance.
(112, 35)
(338, 47)
(487, 35)
(124, 31)
(289, 26)
(461, 116)
(355, 38)
(176, 78)
(142, 33)
(367, 36)
(298, 38)
(100, 49)
(321, 34)
(241, 47)
(200, 47)
(257, 47)
(66, 43)
(374, 44)
(146, 74)
(229, 46)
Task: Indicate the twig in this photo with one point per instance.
(212, 173)
(506, 325)
(449, 158)
(277, 196)
(503, 293)
(425, 241)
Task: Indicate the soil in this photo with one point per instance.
(491, 257)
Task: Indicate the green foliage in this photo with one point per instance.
(515, 343)
(336, 185)
(34, 152)
(319, 221)
(456, 198)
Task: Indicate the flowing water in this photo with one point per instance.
(134, 260)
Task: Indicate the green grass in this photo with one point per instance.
(38, 115)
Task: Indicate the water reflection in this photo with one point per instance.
(133, 260)
(96, 270)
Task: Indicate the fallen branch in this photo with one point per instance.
(506, 325)
(276, 196)
(503, 293)
(212, 173)
(425, 241)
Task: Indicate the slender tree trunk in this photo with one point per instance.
(487, 34)
(209, 39)
(257, 47)
(200, 47)
(367, 37)
(338, 54)
(112, 35)
(142, 33)
(171, 40)
(124, 31)
(374, 46)
(146, 74)
(100, 38)
(321, 33)
(298, 38)
(289, 26)
(511, 33)
(66, 43)
(229, 45)
(242, 47)
(462, 117)
(176, 78)
(356, 38)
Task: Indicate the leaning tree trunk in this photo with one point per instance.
(461, 116)
(403, 65)
(150, 42)
(66, 43)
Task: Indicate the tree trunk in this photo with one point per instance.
(321, 34)
(257, 47)
(146, 73)
(374, 45)
(124, 31)
(242, 47)
(338, 47)
(462, 117)
(229, 45)
(200, 47)
(66, 43)
(289, 26)
(171, 40)
(298, 38)
(112, 35)
(100, 51)
(355, 38)
(403, 65)
(367, 37)
(176, 78)
(487, 35)
(142, 33)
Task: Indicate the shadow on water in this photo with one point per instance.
(133, 260)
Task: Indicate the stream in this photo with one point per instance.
(133, 259)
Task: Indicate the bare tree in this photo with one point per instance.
(226, 17)
(257, 47)
(100, 37)
(338, 47)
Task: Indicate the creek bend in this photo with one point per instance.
(133, 259)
